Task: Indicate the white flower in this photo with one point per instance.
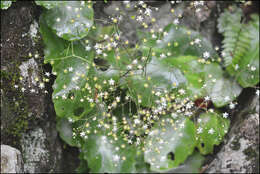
(15, 86)
(118, 99)
(22, 89)
(182, 91)
(97, 46)
(162, 55)
(206, 54)
(111, 82)
(41, 85)
(199, 130)
(63, 96)
(148, 11)
(47, 74)
(139, 67)
(227, 98)
(139, 18)
(207, 98)
(82, 134)
(32, 90)
(154, 36)
(176, 21)
(126, 2)
(135, 61)
(70, 120)
(114, 44)
(182, 125)
(99, 51)
(236, 67)
(129, 67)
(211, 131)
(197, 41)
(225, 115)
(88, 48)
(253, 68)
(232, 105)
(116, 158)
(136, 121)
(141, 2)
(70, 69)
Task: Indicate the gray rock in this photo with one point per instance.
(11, 160)
(34, 150)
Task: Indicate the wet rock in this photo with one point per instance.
(11, 160)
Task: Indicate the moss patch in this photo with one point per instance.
(235, 144)
(250, 153)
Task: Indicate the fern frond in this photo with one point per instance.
(240, 47)
(229, 24)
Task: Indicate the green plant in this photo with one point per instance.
(6, 4)
(240, 46)
(135, 109)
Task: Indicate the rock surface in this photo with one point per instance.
(24, 101)
(11, 160)
(240, 152)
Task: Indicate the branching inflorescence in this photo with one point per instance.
(126, 106)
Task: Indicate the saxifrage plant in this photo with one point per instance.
(143, 108)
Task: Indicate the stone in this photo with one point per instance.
(34, 150)
(11, 160)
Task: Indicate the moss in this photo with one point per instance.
(235, 144)
(250, 153)
(15, 115)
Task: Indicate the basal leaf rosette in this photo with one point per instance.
(71, 20)
(169, 143)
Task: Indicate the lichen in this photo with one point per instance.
(33, 32)
(34, 150)
(250, 153)
(29, 72)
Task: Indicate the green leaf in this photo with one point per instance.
(72, 67)
(207, 139)
(177, 42)
(103, 157)
(157, 76)
(49, 4)
(141, 166)
(191, 165)
(168, 146)
(222, 90)
(192, 71)
(71, 20)
(206, 79)
(65, 131)
(6, 4)
(54, 46)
